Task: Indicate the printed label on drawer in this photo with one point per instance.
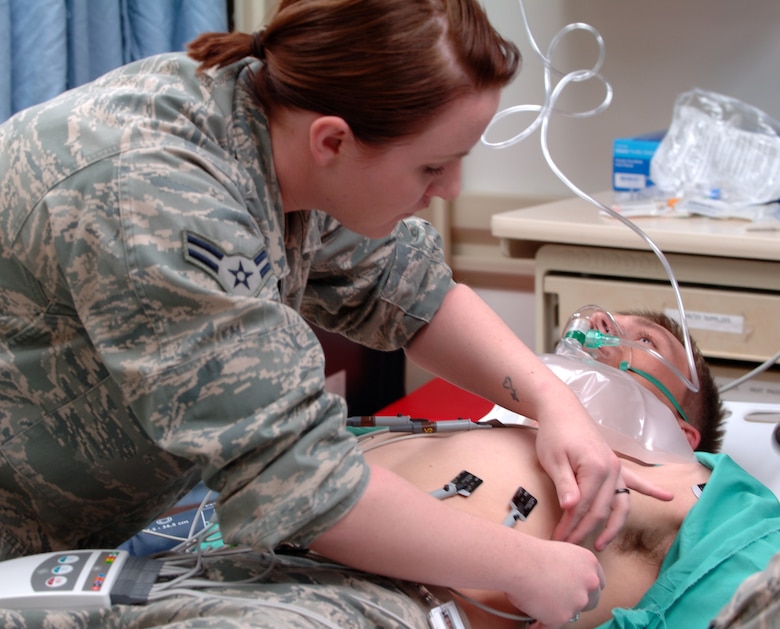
(712, 321)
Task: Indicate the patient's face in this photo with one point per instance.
(655, 337)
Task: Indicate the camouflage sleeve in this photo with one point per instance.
(178, 289)
(385, 291)
(755, 604)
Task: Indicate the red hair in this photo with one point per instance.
(387, 67)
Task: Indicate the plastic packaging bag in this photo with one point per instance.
(718, 147)
(631, 419)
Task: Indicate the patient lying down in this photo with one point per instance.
(505, 459)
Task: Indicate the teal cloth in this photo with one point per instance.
(731, 533)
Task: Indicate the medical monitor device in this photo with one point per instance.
(76, 579)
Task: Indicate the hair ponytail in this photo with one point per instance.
(222, 49)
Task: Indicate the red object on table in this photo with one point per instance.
(437, 400)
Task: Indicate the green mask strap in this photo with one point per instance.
(624, 366)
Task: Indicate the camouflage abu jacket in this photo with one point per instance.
(153, 299)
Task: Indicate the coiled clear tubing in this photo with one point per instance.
(552, 92)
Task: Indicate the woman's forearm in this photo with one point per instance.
(470, 345)
(398, 530)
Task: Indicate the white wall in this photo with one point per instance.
(655, 50)
(249, 15)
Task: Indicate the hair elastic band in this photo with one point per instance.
(258, 45)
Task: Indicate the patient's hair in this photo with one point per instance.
(387, 67)
(703, 408)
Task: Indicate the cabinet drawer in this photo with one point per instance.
(728, 324)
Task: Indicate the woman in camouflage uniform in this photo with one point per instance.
(167, 233)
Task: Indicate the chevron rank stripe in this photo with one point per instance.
(237, 274)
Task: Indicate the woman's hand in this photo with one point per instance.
(586, 474)
(590, 481)
(568, 582)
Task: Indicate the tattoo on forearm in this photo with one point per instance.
(511, 388)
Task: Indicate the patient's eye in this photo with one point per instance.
(646, 338)
(434, 170)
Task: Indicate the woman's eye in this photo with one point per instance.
(434, 170)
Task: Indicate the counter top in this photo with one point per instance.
(577, 222)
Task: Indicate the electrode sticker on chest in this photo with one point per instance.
(464, 484)
(520, 506)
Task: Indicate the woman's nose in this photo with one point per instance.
(448, 186)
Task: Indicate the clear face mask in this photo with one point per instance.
(593, 331)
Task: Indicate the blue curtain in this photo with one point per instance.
(48, 46)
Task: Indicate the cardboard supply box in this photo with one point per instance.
(631, 161)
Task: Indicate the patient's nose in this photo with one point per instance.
(601, 321)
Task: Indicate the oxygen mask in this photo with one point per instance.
(593, 332)
(594, 359)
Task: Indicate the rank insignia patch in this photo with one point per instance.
(237, 274)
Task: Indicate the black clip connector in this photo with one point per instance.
(520, 506)
(466, 483)
(463, 484)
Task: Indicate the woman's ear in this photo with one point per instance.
(329, 136)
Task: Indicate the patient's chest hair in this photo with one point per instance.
(647, 543)
(650, 533)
